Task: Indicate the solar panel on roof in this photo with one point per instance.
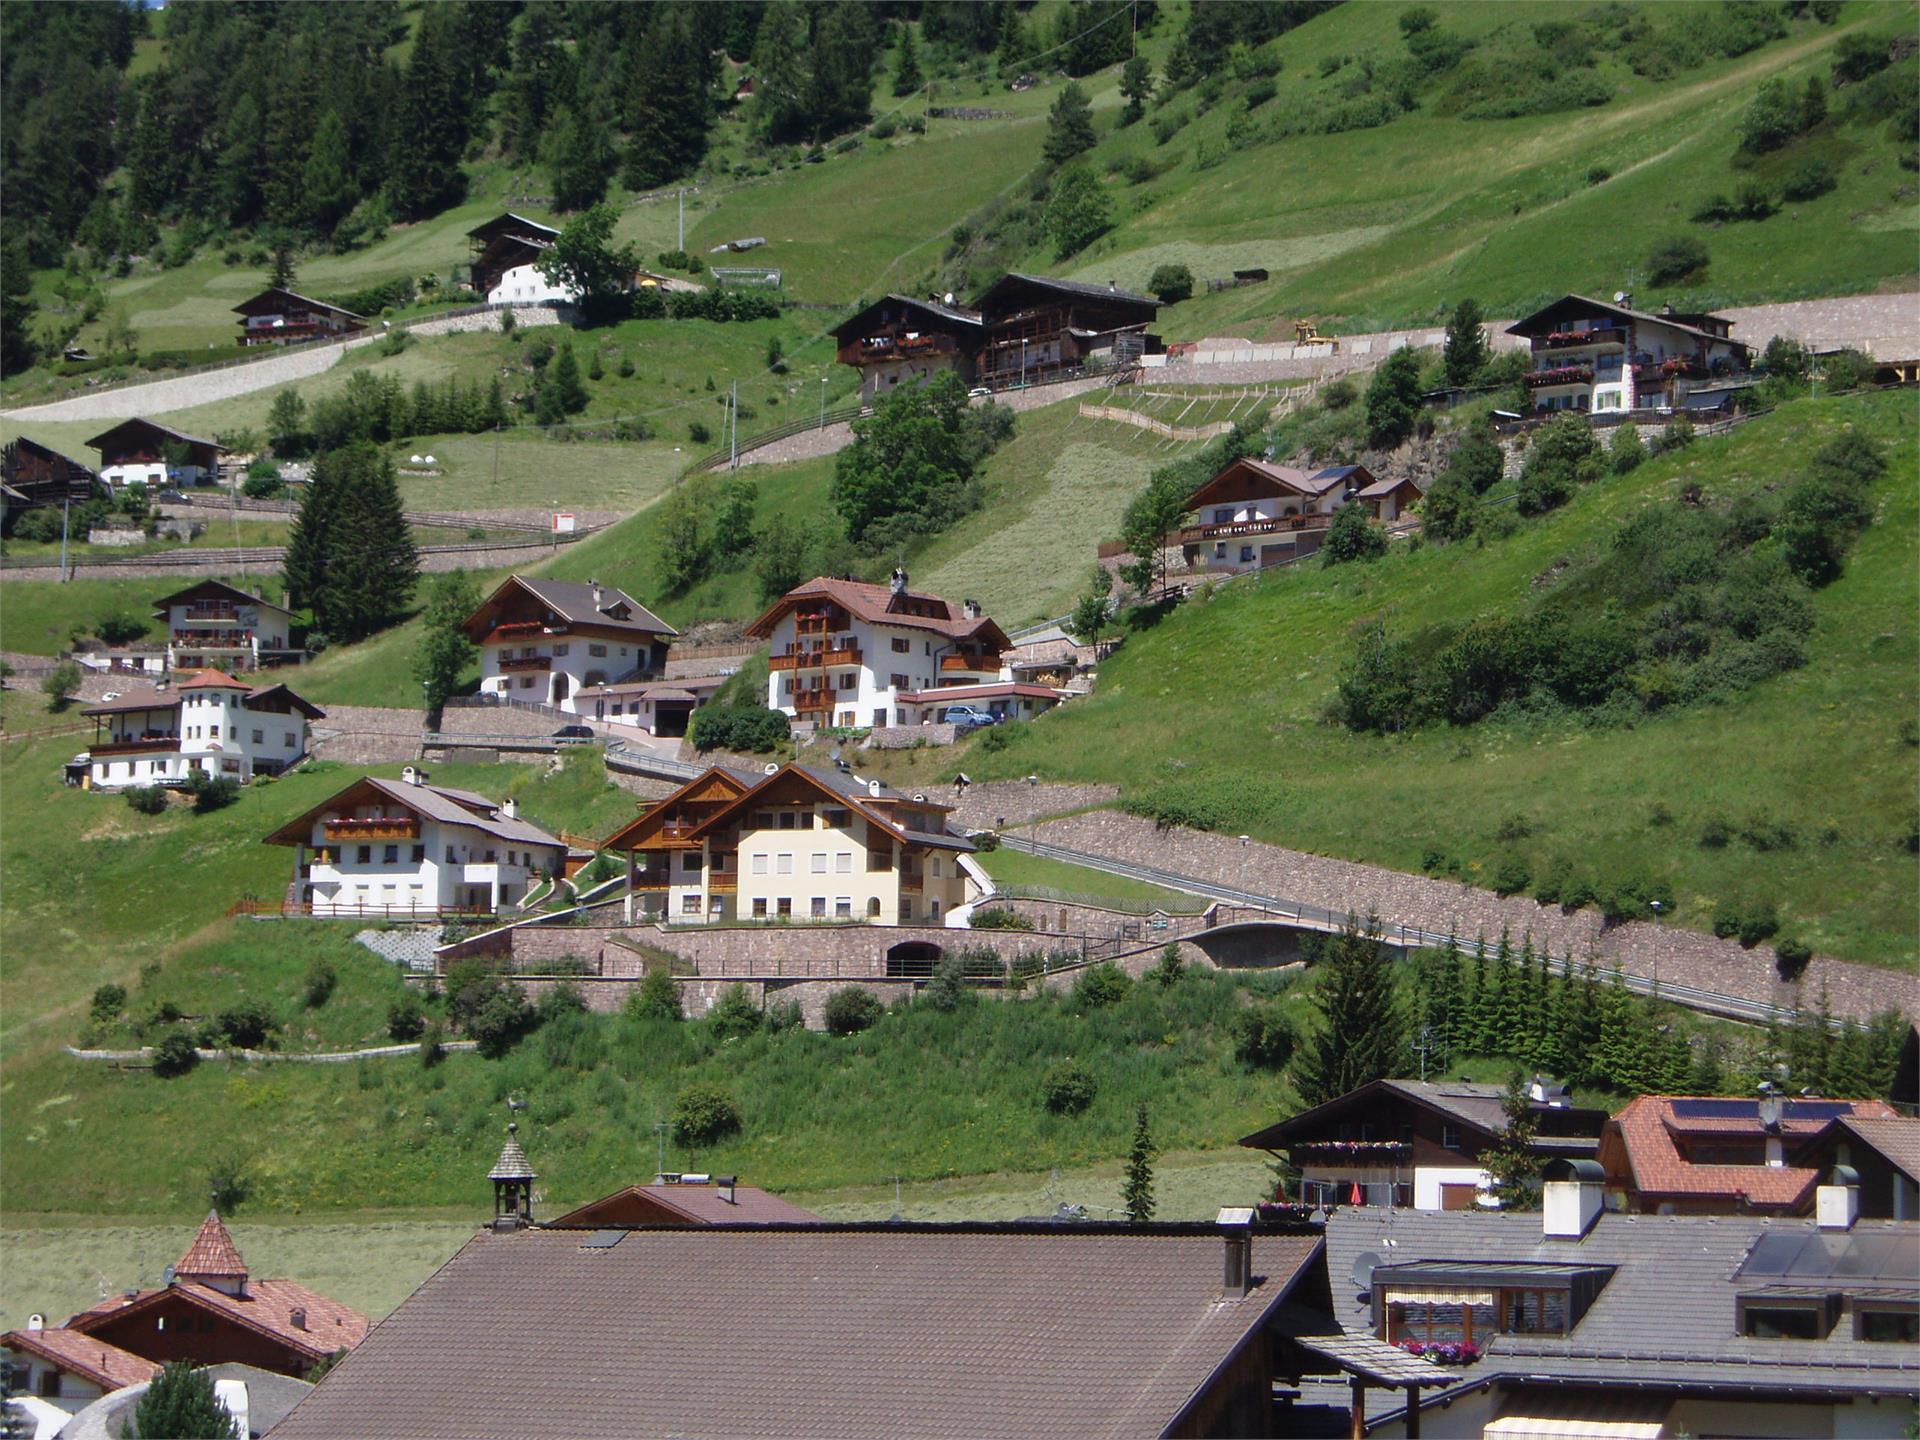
(1772, 1254)
(603, 1239)
(1716, 1109)
(1818, 1109)
(1871, 1258)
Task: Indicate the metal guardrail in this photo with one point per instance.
(760, 439)
(440, 740)
(641, 761)
(208, 556)
(1299, 915)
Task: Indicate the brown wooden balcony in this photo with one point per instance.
(151, 746)
(1193, 534)
(385, 827)
(819, 624)
(723, 884)
(973, 663)
(1560, 375)
(525, 662)
(197, 613)
(914, 883)
(816, 659)
(808, 702)
(1578, 339)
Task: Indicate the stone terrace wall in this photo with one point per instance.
(1640, 948)
(987, 801)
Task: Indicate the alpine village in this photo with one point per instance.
(959, 718)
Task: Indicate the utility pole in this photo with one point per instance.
(733, 431)
(66, 511)
(681, 196)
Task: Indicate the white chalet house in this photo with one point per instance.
(386, 847)
(545, 641)
(506, 262)
(205, 721)
(1597, 357)
(847, 653)
(215, 624)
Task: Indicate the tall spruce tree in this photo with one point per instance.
(673, 82)
(1510, 1162)
(1466, 351)
(351, 558)
(1069, 126)
(906, 67)
(1362, 1034)
(1624, 1053)
(1137, 1193)
(423, 169)
(327, 186)
(445, 651)
(577, 160)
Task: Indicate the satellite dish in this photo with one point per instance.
(1619, 297)
(1363, 1267)
(949, 299)
(771, 767)
(834, 754)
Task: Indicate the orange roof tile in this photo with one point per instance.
(77, 1353)
(210, 680)
(1646, 1128)
(213, 1255)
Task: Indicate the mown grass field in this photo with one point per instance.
(1819, 747)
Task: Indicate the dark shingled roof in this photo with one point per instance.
(1666, 1315)
(927, 1331)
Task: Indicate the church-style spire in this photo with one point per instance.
(512, 1179)
(213, 1259)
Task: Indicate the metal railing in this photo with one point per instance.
(440, 740)
(760, 439)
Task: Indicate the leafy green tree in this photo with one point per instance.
(658, 998)
(1171, 283)
(1377, 687)
(1361, 1036)
(1069, 126)
(180, 1405)
(1393, 400)
(780, 553)
(1136, 83)
(1629, 450)
(1077, 211)
(1137, 1193)
(1466, 351)
(1449, 510)
(61, 683)
(444, 651)
(1510, 1162)
(733, 521)
(909, 460)
(1144, 526)
(585, 260)
(286, 424)
(577, 159)
(906, 66)
(1352, 536)
(684, 553)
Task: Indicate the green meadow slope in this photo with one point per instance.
(1224, 701)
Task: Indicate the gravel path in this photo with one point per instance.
(1683, 956)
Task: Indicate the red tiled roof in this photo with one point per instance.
(211, 680)
(212, 1255)
(268, 1307)
(695, 1204)
(77, 1353)
(1645, 1131)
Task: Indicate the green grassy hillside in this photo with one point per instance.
(1223, 703)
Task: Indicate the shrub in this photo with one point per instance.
(320, 982)
(1764, 833)
(1758, 922)
(1352, 536)
(246, 1024)
(1263, 1037)
(501, 1021)
(1846, 370)
(1514, 826)
(1172, 283)
(1677, 435)
(147, 799)
(562, 999)
(1628, 449)
(850, 1010)
(108, 1002)
(1552, 882)
(406, 1021)
(734, 1014)
(1068, 1088)
(1774, 117)
(1102, 984)
(746, 728)
(1512, 876)
(1169, 968)
(947, 991)
(211, 792)
(656, 997)
(1809, 182)
(704, 1114)
(1716, 833)
(997, 917)
(1676, 258)
(698, 432)
(1599, 175)
(1791, 956)
(174, 1055)
(1338, 395)
(433, 1047)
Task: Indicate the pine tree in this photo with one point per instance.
(1476, 1009)
(906, 71)
(1137, 1193)
(1510, 1163)
(540, 76)
(841, 93)
(351, 559)
(17, 308)
(1466, 352)
(430, 131)
(239, 171)
(673, 83)
(782, 80)
(1136, 83)
(280, 275)
(1069, 126)
(578, 163)
(327, 185)
(563, 376)
(1361, 1037)
(1622, 1058)
(495, 413)
(445, 651)
(180, 1405)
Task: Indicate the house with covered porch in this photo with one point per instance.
(204, 723)
(278, 316)
(1600, 357)
(148, 453)
(546, 641)
(1256, 513)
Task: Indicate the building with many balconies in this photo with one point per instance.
(205, 722)
(1589, 355)
(1255, 513)
(406, 848)
(216, 624)
(850, 654)
(797, 845)
(281, 317)
(145, 452)
(547, 640)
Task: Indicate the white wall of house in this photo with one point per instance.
(155, 475)
(893, 659)
(573, 662)
(217, 641)
(445, 867)
(879, 377)
(213, 731)
(50, 1383)
(1427, 1180)
(525, 285)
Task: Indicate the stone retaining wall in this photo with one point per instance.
(906, 737)
(1640, 948)
(987, 802)
(364, 734)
